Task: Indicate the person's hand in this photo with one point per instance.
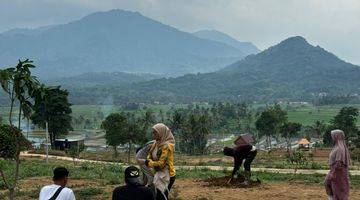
(141, 161)
(333, 177)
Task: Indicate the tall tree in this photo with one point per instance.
(18, 83)
(123, 128)
(289, 130)
(346, 121)
(52, 106)
(115, 129)
(147, 120)
(194, 132)
(269, 122)
(135, 133)
(319, 128)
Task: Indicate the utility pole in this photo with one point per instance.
(47, 142)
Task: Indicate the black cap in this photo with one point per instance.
(132, 175)
(60, 173)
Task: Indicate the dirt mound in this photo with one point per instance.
(235, 182)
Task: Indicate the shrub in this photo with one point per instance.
(9, 135)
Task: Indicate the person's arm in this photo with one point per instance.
(339, 165)
(161, 163)
(237, 165)
(150, 152)
(70, 195)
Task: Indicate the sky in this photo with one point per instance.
(331, 24)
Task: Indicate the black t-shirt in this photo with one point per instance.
(130, 192)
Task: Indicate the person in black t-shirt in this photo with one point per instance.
(239, 153)
(133, 190)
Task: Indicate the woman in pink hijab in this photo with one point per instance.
(337, 180)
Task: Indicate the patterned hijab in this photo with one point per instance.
(165, 136)
(340, 151)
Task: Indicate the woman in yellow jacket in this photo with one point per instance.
(161, 158)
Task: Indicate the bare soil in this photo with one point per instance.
(234, 183)
(191, 189)
(200, 190)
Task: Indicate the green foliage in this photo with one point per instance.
(319, 127)
(115, 129)
(265, 77)
(10, 136)
(125, 128)
(270, 121)
(345, 120)
(192, 127)
(75, 151)
(289, 130)
(297, 158)
(20, 86)
(355, 154)
(52, 106)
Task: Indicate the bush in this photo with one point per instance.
(297, 158)
(9, 136)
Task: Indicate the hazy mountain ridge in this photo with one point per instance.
(92, 79)
(246, 47)
(292, 69)
(121, 41)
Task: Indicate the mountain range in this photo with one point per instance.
(293, 70)
(115, 41)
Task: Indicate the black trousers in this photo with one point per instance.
(248, 160)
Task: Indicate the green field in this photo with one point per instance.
(306, 115)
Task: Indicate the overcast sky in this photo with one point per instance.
(332, 24)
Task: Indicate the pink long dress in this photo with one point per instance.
(337, 180)
(338, 186)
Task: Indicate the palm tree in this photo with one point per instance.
(319, 128)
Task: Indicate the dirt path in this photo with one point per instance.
(215, 168)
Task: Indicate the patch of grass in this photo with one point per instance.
(86, 193)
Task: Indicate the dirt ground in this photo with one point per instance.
(191, 189)
(200, 190)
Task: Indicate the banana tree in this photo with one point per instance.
(18, 83)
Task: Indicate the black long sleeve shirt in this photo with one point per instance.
(240, 152)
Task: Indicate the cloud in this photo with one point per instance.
(332, 24)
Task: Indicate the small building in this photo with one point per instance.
(67, 143)
(304, 143)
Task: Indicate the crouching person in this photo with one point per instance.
(240, 153)
(133, 190)
(58, 191)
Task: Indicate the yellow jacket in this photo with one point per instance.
(166, 158)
